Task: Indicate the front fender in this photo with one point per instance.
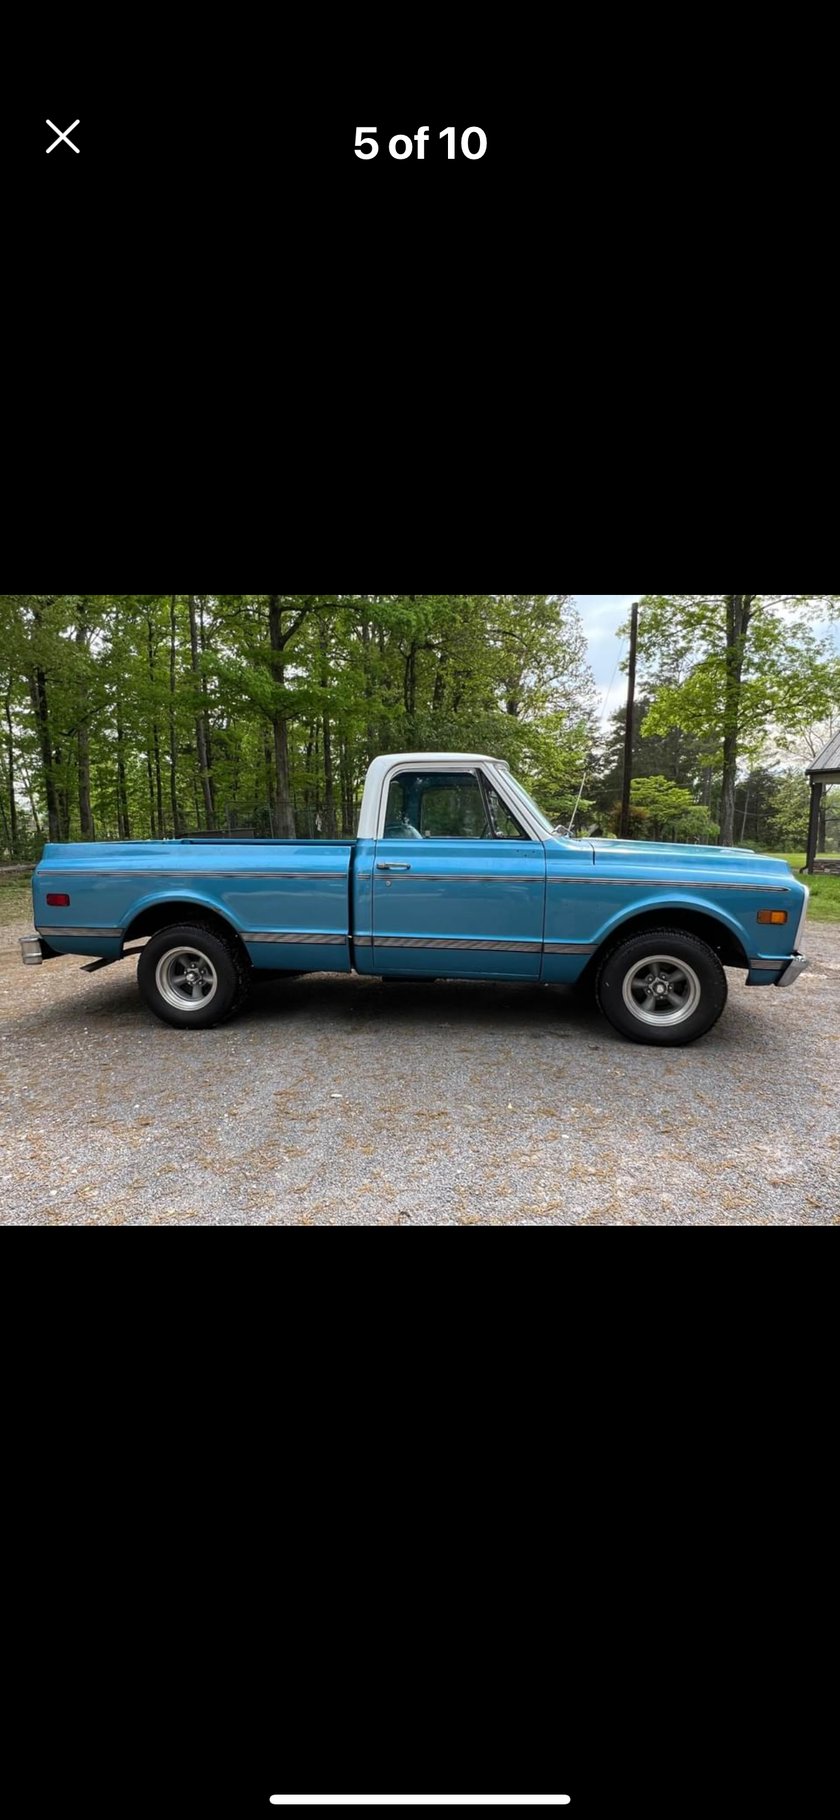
(590, 916)
(669, 907)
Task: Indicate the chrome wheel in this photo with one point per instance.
(661, 990)
(186, 979)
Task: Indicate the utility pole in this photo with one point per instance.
(744, 817)
(624, 823)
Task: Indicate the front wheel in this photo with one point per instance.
(663, 986)
(192, 977)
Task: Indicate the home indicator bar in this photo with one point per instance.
(420, 1800)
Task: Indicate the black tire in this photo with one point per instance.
(219, 964)
(663, 987)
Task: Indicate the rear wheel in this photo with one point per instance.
(192, 977)
(663, 987)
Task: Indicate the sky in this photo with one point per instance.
(601, 615)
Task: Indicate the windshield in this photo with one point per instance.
(520, 791)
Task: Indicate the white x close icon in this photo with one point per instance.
(51, 148)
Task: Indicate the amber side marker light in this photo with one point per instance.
(771, 916)
(58, 899)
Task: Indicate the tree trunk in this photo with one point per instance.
(370, 690)
(62, 792)
(177, 817)
(83, 755)
(158, 780)
(270, 780)
(285, 819)
(280, 727)
(346, 789)
(208, 736)
(31, 794)
(310, 795)
(738, 616)
(40, 707)
(410, 681)
(200, 722)
(123, 824)
(152, 822)
(155, 778)
(11, 778)
(439, 690)
(328, 818)
(83, 741)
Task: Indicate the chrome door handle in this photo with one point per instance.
(389, 865)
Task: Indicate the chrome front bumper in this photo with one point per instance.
(790, 974)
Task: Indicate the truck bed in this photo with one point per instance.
(288, 899)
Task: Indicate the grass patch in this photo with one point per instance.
(15, 900)
(824, 902)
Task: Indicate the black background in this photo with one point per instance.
(239, 1568)
(272, 1531)
(229, 317)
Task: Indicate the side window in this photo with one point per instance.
(452, 808)
(402, 793)
(504, 822)
(435, 805)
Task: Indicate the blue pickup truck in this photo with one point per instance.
(455, 872)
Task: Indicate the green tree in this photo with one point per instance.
(730, 667)
(132, 715)
(789, 815)
(670, 810)
(674, 754)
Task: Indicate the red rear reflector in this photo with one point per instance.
(58, 899)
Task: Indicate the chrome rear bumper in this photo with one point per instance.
(34, 950)
(790, 974)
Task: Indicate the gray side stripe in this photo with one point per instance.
(290, 935)
(76, 929)
(474, 878)
(463, 941)
(454, 941)
(672, 884)
(179, 872)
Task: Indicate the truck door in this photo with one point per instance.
(458, 884)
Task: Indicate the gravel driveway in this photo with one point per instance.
(339, 1101)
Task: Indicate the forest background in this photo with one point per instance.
(152, 715)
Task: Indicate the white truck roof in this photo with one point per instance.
(379, 768)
